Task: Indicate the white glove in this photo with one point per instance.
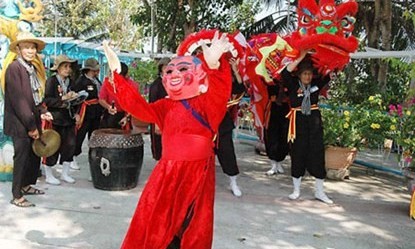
(218, 47)
(113, 61)
(46, 116)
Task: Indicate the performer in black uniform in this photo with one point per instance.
(157, 92)
(276, 127)
(90, 111)
(305, 128)
(225, 149)
(58, 91)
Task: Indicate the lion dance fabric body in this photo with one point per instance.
(176, 205)
(324, 28)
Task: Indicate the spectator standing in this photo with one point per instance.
(23, 111)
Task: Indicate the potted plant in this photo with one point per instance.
(375, 124)
(342, 138)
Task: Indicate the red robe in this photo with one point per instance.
(179, 195)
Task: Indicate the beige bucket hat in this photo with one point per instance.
(91, 64)
(59, 60)
(27, 37)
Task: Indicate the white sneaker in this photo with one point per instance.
(236, 191)
(52, 181)
(74, 165)
(50, 178)
(294, 195)
(321, 196)
(271, 172)
(67, 179)
(280, 169)
(319, 192)
(276, 168)
(65, 173)
(296, 192)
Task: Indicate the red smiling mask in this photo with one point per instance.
(184, 78)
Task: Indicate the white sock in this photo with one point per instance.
(234, 186)
(319, 192)
(296, 192)
(65, 173)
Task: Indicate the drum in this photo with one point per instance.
(115, 159)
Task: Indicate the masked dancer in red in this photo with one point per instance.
(176, 206)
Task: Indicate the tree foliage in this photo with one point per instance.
(283, 21)
(355, 84)
(92, 20)
(173, 20)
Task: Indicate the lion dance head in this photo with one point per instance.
(326, 28)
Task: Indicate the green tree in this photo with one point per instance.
(282, 21)
(93, 20)
(78, 19)
(174, 20)
(244, 16)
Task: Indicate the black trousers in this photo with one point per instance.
(26, 165)
(67, 148)
(88, 126)
(156, 148)
(275, 137)
(307, 151)
(225, 151)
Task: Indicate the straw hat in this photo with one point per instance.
(26, 37)
(91, 64)
(59, 60)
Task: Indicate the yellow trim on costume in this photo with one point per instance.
(235, 101)
(412, 206)
(292, 114)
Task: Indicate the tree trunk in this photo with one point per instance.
(190, 26)
(172, 35)
(386, 31)
(377, 18)
(370, 16)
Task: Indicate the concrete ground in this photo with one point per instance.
(370, 211)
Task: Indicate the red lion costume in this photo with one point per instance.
(324, 28)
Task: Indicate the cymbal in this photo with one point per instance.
(48, 143)
(78, 98)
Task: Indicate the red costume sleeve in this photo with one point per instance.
(218, 94)
(103, 93)
(211, 105)
(132, 102)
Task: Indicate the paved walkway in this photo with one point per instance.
(370, 211)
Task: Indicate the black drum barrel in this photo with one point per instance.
(115, 159)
